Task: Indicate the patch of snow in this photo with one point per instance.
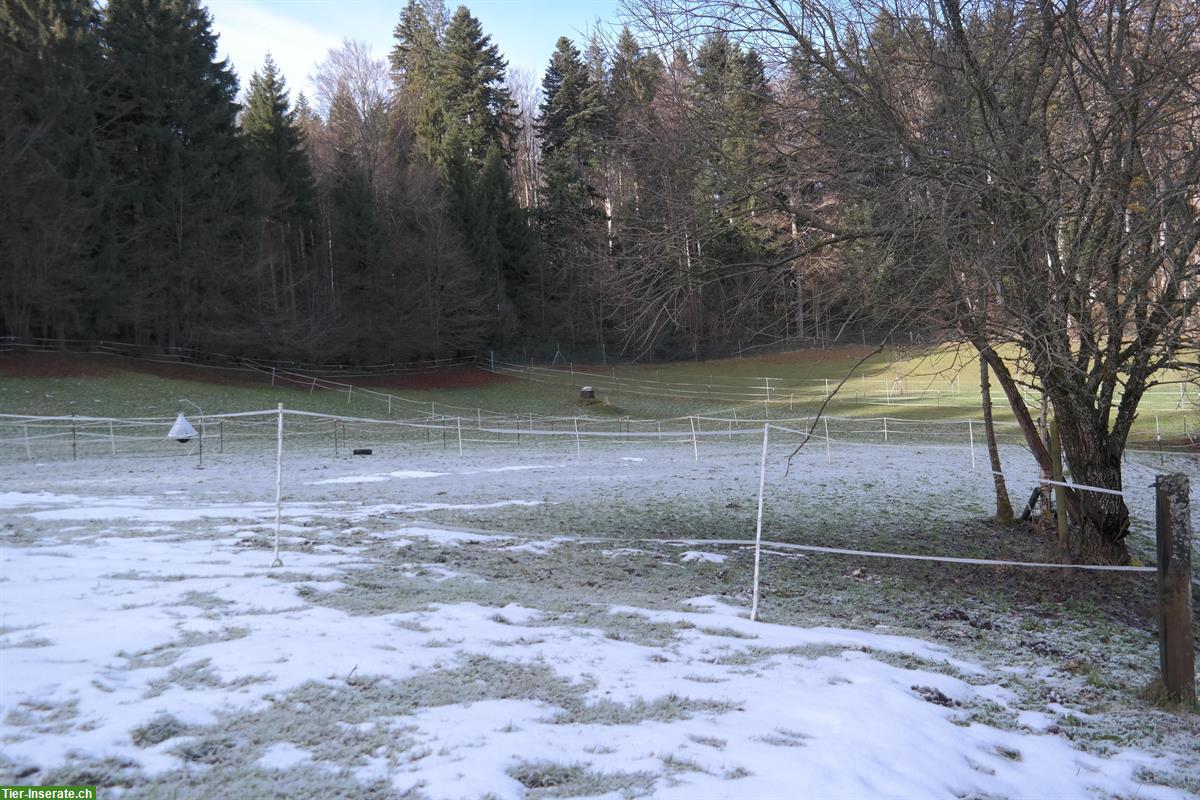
(709, 558)
(350, 479)
(283, 755)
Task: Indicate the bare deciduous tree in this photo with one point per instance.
(1022, 175)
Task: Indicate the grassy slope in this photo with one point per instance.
(937, 384)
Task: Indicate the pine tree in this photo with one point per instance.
(634, 74)
(168, 117)
(283, 189)
(275, 140)
(452, 85)
(52, 183)
(572, 115)
(478, 112)
(414, 62)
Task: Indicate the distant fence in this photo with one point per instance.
(188, 355)
(75, 437)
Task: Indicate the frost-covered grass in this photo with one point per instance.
(921, 385)
(521, 624)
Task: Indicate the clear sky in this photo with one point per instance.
(298, 33)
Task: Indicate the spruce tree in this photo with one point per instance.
(415, 60)
(452, 85)
(275, 140)
(168, 120)
(477, 109)
(572, 115)
(284, 193)
(53, 181)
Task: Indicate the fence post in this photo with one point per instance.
(578, 449)
(695, 450)
(278, 483)
(1177, 657)
(885, 430)
(762, 483)
(335, 441)
(112, 442)
(28, 452)
(971, 434)
(221, 436)
(828, 455)
(458, 425)
(73, 452)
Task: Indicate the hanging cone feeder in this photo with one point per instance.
(182, 431)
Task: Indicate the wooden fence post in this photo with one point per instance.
(1177, 657)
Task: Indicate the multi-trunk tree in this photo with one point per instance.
(1023, 177)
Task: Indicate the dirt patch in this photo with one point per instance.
(56, 365)
(92, 365)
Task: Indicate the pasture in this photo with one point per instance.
(517, 595)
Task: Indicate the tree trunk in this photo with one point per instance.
(1004, 510)
(1103, 518)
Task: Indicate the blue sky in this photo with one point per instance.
(298, 33)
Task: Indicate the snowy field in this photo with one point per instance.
(516, 623)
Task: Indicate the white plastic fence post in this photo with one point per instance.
(578, 448)
(272, 376)
(731, 424)
(28, 453)
(695, 449)
(432, 409)
(971, 433)
(112, 442)
(762, 483)
(389, 405)
(885, 430)
(278, 483)
(313, 387)
(828, 454)
(479, 419)
(349, 393)
(458, 425)
(827, 388)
